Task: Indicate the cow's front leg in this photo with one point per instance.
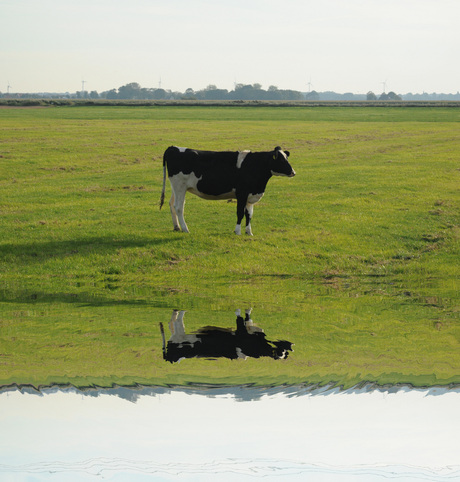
(248, 212)
(240, 210)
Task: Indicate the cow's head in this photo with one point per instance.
(279, 163)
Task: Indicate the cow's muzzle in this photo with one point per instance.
(292, 173)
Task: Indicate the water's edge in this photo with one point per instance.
(239, 392)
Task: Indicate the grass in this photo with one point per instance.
(355, 259)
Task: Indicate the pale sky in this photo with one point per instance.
(339, 45)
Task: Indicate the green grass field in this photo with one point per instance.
(355, 260)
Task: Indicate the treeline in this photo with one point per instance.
(242, 92)
(134, 91)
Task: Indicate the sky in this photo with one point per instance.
(324, 45)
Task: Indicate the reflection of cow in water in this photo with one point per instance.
(212, 341)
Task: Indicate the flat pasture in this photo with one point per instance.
(355, 260)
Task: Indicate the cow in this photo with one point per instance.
(248, 340)
(240, 175)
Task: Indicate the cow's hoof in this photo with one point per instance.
(176, 229)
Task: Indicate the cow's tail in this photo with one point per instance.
(162, 197)
(162, 330)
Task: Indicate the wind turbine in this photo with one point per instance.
(310, 85)
(8, 87)
(384, 86)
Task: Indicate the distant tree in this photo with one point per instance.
(159, 94)
(189, 94)
(94, 95)
(111, 94)
(243, 92)
(291, 95)
(371, 96)
(348, 96)
(393, 96)
(212, 94)
(130, 91)
(257, 86)
(274, 93)
(313, 95)
(390, 96)
(147, 93)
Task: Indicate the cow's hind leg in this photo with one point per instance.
(173, 213)
(179, 203)
(176, 325)
(248, 212)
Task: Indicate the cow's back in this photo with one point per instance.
(199, 162)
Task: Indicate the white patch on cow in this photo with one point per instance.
(210, 197)
(252, 329)
(250, 210)
(189, 182)
(282, 174)
(254, 198)
(240, 354)
(241, 157)
(180, 184)
(181, 149)
(238, 229)
(177, 328)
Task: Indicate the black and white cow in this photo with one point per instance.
(248, 340)
(241, 175)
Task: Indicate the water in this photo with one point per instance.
(243, 433)
(349, 339)
(319, 388)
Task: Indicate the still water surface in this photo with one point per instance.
(237, 431)
(241, 433)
